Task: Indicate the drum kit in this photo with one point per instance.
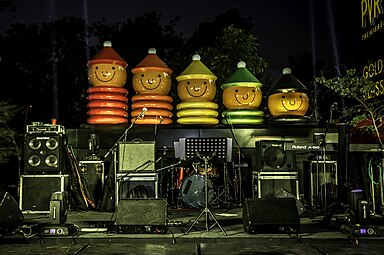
(189, 185)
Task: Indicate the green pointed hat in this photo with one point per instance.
(288, 83)
(242, 77)
(196, 70)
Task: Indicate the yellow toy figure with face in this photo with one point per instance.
(152, 75)
(196, 82)
(107, 68)
(196, 89)
(242, 97)
(288, 100)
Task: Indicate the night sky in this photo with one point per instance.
(281, 26)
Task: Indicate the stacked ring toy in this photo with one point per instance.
(239, 117)
(159, 109)
(192, 112)
(107, 105)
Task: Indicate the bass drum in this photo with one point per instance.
(193, 191)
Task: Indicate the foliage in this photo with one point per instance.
(365, 110)
(8, 144)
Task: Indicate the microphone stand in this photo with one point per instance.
(239, 158)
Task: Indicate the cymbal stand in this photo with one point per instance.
(206, 210)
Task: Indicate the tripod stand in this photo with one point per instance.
(206, 209)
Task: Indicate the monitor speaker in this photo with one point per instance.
(44, 153)
(10, 214)
(270, 215)
(142, 212)
(271, 156)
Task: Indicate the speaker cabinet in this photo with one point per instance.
(271, 215)
(271, 156)
(44, 153)
(141, 215)
(10, 214)
(36, 190)
(136, 156)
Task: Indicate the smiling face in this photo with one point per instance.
(107, 75)
(196, 90)
(289, 103)
(151, 82)
(240, 97)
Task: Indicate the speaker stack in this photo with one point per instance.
(276, 172)
(45, 166)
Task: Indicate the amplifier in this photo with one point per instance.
(39, 128)
(138, 156)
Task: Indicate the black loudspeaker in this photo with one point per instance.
(141, 215)
(271, 156)
(44, 153)
(270, 215)
(10, 214)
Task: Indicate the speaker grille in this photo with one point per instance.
(271, 156)
(44, 153)
(137, 156)
(142, 212)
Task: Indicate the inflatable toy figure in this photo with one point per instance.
(107, 97)
(242, 97)
(196, 89)
(288, 100)
(107, 68)
(152, 82)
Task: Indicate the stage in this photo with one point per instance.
(96, 234)
(119, 222)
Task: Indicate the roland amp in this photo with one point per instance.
(44, 153)
(272, 156)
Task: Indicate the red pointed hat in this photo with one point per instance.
(151, 63)
(107, 55)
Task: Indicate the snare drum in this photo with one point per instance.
(193, 191)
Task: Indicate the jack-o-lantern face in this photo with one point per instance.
(289, 103)
(240, 97)
(196, 90)
(151, 82)
(106, 74)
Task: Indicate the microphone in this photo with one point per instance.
(143, 111)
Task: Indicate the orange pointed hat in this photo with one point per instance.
(151, 63)
(107, 55)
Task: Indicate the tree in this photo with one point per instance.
(365, 109)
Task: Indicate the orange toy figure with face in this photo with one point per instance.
(288, 98)
(152, 75)
(242, 90)
(107, 68)
(196, 83)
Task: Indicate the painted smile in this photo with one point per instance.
(291, 104)
(150, 82)
(103, 75)
(244, 98)
(195, 90)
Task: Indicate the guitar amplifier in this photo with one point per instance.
(137, 156)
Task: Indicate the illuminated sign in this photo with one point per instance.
(371, 17)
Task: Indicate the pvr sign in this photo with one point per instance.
(371, 18)
(370, 11)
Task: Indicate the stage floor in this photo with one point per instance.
(96, 234)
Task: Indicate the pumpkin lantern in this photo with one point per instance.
(288, 99)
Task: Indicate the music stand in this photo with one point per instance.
(214, 147)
